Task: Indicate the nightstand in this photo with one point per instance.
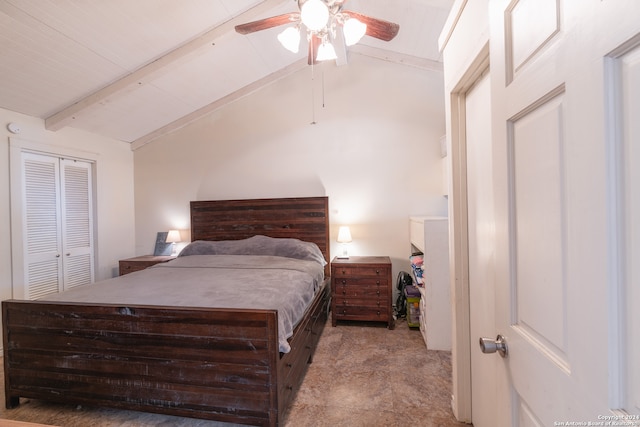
(361, 289)
(138, 263)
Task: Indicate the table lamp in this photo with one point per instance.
(344, 237)
(173, 237)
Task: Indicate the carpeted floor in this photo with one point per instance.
(362, 375)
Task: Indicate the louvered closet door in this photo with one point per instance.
(77, 223)
(58, 224)
(43, 238)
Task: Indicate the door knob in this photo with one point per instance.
(488, 345)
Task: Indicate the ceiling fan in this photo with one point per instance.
(322, 19)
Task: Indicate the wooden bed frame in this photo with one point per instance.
(218, 364)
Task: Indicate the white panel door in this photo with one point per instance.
(563, 209)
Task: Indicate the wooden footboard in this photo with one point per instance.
(218, 364)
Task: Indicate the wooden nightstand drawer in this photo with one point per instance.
(130, 265)
(345, 301)
(365, 271)
(353, 312)
(361, 289)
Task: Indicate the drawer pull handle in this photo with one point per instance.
(344, 282)
(377, 271)
(344, 272)
(378, 282)
(378, 292)
(344, 292)
(378, 313)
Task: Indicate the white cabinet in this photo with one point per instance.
(430, 235)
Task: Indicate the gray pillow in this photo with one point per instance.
(258, 245)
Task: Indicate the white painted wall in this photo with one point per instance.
(114, 177)
(374, 151)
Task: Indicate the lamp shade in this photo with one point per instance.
(173, 236)
(344, 234)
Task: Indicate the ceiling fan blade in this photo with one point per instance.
(263, 24)
(314, 44)
(378, 28)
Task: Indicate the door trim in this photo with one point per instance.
(16, 147)
(458, 236)
(618, 339)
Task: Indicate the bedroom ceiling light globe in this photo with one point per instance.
(353, 31)
(290, 39)
(314, 14)
(326, 52)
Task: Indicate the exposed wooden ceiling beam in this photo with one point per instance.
(64, 117)
(396, 57)
(381, 54)
(373, 52)
(240, 93)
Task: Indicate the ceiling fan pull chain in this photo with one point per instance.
(323, 88)
(313, 92)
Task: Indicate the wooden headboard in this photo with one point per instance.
(304, 218)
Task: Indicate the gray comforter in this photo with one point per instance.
(222, 281)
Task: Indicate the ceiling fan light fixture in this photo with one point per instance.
(323, 21)
(326, 52)
(314, 14)
(290, 39)
(353, 31)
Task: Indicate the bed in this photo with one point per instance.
(226, 364)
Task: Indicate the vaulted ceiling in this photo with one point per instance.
(133, 70)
